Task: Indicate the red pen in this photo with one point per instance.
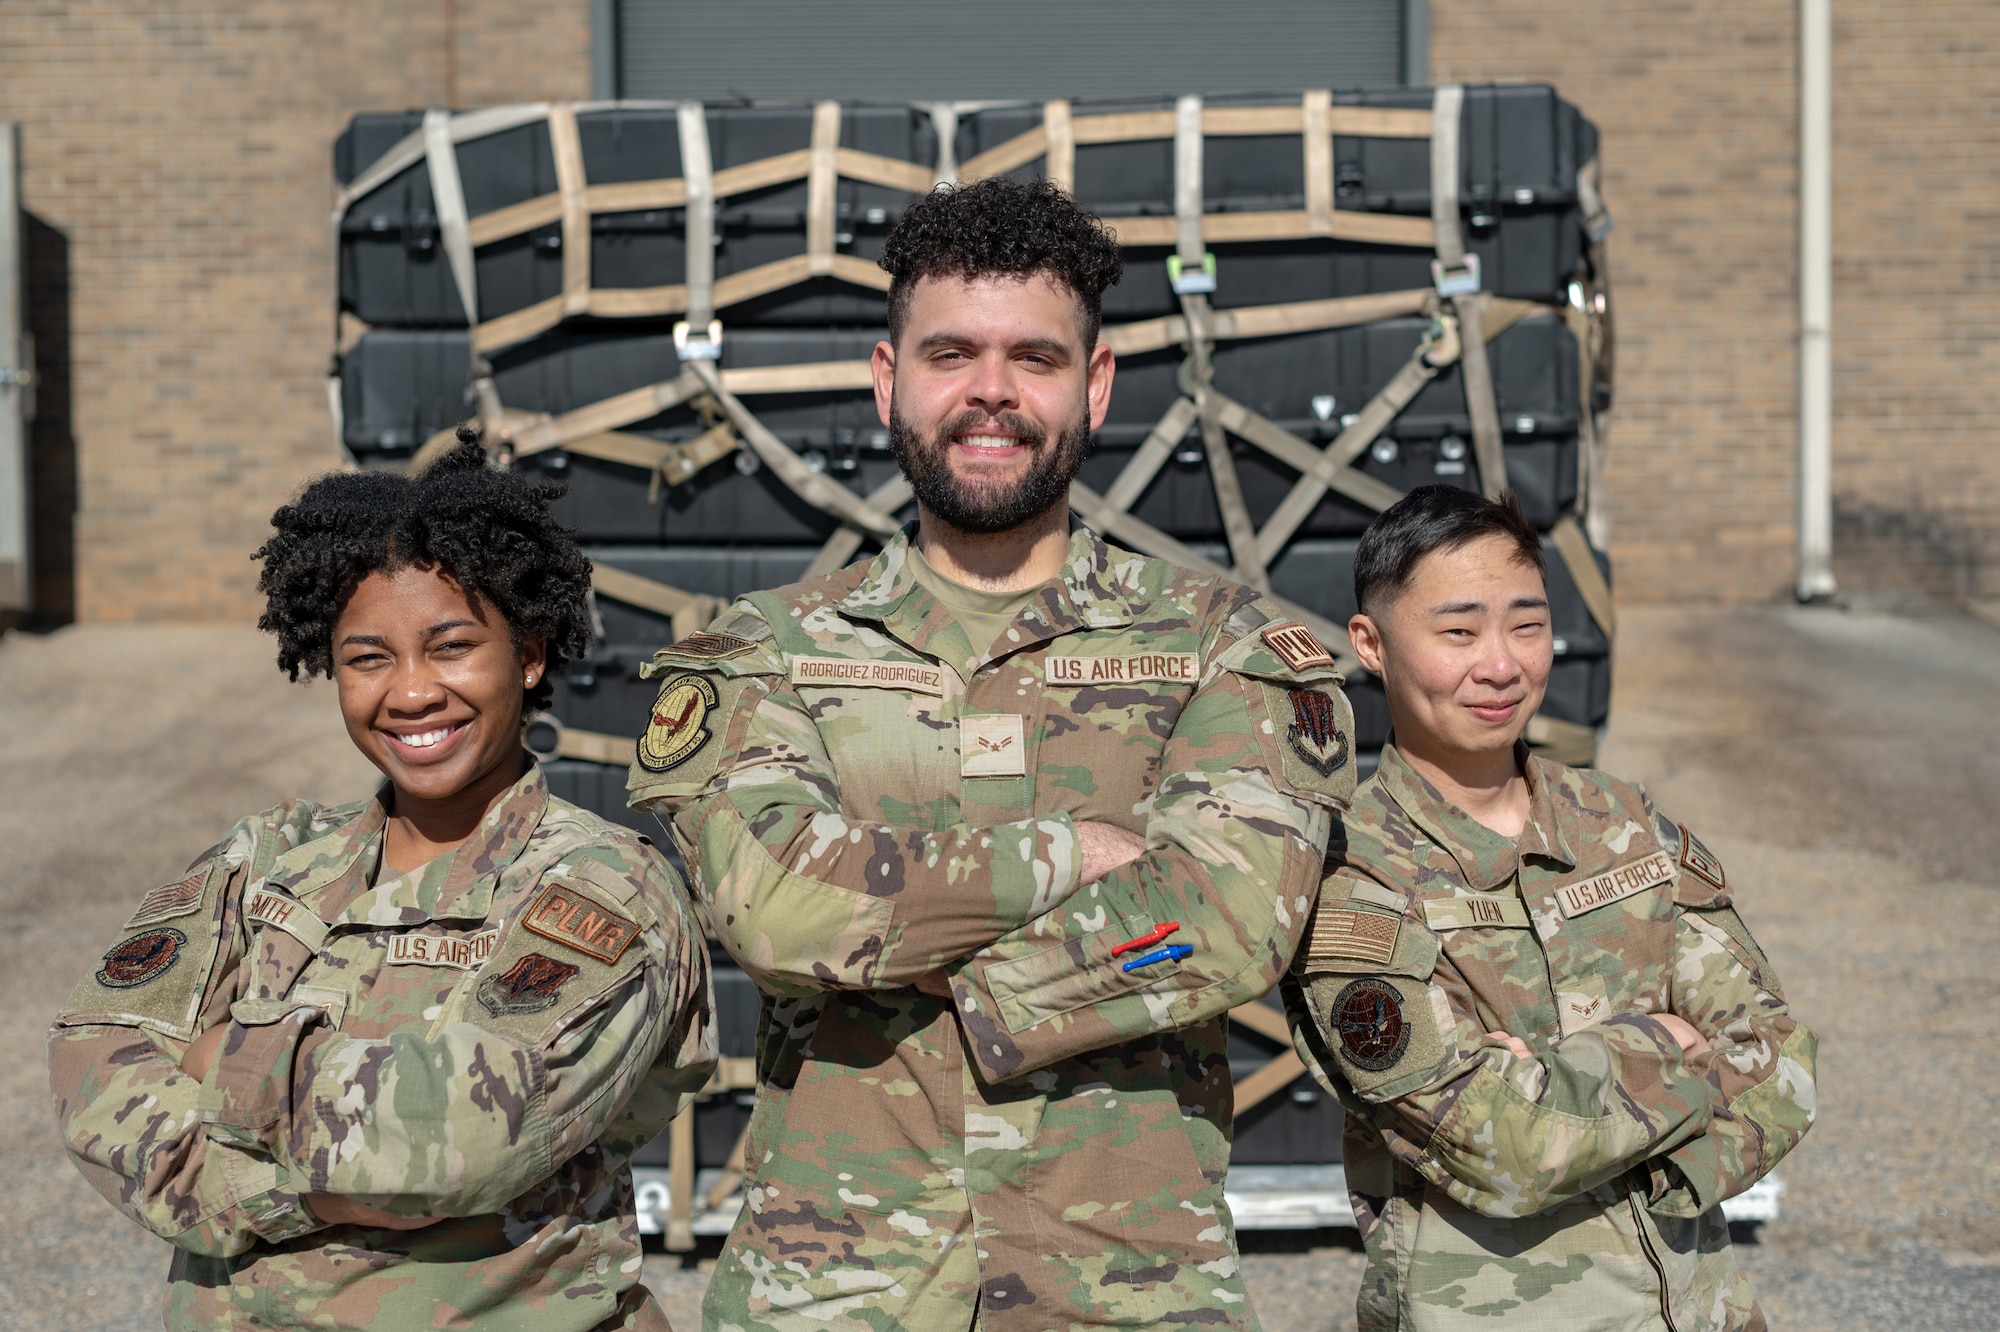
(1148, 939)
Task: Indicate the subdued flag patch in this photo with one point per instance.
(1358, 936)
(169, 900)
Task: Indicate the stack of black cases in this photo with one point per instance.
(734, 526)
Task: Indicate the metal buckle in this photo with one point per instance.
(1458, 281)
(690, 348)
(1200, 283)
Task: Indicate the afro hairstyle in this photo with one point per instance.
(489, 531)
(1000, 225)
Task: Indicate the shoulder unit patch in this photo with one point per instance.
(1296, 645)
(1315, 733)
(141, 958)
(679, 725)
(1699, 860)
(529, 986)
(1369, 1015)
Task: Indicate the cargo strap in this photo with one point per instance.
(820, 188)
(448, 197)
(691, 119)
(1454, 270)
(1059, 152)
(1283, 1068)
(567, 148)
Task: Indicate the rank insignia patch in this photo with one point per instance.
(1315, 731)
(529, 986)
(679, 726)
(1699, 860)
(574, 920)
(141, 958)
(711, 647)
(174, 899)
(1296, 646)
(1369, 1014)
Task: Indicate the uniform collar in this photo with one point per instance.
(1093, 590)
(337, 874)
(1486, 860)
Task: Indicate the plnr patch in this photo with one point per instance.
(1296, 646)
(574, 919)
(1699, 860)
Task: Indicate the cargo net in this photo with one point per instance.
(1463, 318)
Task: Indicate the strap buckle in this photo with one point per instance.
(708, 347)
(1461, 281)
(1201, 283)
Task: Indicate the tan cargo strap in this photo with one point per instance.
(698, 180)
(680, 1183)
(816, 488)
(690, 612)
(1141, 468)
(1316, 107)
(821, 183)
(1284, 1067)
(1570, 543)
(1455, 269)
(944, 124)
(448, 199)
(567, 148)
(590, 746)
(885, 499)
(1060, 154)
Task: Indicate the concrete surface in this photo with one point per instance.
(1844, 765)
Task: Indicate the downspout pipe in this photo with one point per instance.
(1815, 519)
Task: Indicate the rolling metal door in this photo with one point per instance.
(891, 50)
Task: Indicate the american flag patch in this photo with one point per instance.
(1359, 936)
(169, 900)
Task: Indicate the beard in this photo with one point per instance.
(982, 506)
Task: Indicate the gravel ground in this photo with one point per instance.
(1844, 765)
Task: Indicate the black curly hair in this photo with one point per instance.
(1002, 225)
(490, 531)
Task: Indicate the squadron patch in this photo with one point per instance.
(170, 900)
(711, 646)
(1699, 860)
(529, 986)
(1369, 1015)
(678, 728)
(574, 920)
(1296, 646)
(141, 958)
(1315, 733)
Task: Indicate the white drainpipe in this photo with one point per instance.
(1815, 300)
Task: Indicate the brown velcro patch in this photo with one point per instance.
(529, 986)
(575, 920)
(1363, 936)
(169, 900)
(711, 646)
(1699, 860)
(1296, 646)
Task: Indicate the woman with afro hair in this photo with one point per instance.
(385, 1065)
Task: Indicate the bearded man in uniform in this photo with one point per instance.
(1001, 821)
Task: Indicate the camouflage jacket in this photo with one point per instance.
(864, 798)
(488, 1038)
(1582, 1181)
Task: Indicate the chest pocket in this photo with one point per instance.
(1101, 739)
(886, 728)
(1611, 951)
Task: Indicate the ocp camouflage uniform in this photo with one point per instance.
(489, 1038)
(865, 798)
(1579, 1187)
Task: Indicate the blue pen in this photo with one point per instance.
(1171, 953)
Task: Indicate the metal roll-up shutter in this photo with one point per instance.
(891, 50)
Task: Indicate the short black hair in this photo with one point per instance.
(1433, 518)
(1002, 225)
(488, 530)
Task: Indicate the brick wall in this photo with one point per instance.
(175, 163)
(1697, 101)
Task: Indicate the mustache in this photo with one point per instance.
(968, 423)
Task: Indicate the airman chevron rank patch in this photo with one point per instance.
(1699, 860)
